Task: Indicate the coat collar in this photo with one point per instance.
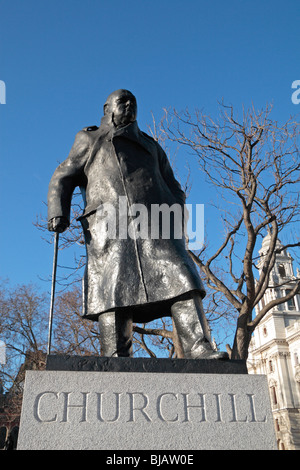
(132, 132)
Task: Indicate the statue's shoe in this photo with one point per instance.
(211, 355)
(203, 350)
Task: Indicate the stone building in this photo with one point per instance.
(275, 349)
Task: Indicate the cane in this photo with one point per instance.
(56, 237)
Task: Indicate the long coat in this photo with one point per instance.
(115, 169)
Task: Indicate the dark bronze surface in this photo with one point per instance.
(141, 278)
(145, 364)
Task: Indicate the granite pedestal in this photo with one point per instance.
(145, 404)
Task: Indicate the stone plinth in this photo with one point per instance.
(109, 410)
(144, 364)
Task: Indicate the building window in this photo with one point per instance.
(281, 270)
(265, 331)
(271, 366)
(277, 426)
(290, 303)
(281, 445)
(274, 395)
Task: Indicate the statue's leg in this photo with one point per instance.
(192, 329)
(115, 330)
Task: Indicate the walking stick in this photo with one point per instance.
(56, 237)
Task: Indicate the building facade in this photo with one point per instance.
(275, 349)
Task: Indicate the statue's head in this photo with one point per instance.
(121, 104)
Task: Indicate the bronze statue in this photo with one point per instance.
(129, 278)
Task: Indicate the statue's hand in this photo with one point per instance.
(58, 224)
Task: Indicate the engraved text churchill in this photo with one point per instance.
(168, 407)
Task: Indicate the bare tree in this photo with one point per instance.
(23, 328)
(253, 164)
(71, 334)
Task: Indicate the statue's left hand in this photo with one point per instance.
(58, 224)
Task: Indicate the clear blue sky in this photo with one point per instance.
(61, 58)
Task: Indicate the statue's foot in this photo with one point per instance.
(203, 350)
(212, 355)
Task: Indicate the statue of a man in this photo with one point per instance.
(129, 278)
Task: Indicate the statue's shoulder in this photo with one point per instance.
(86, 135)
(148, 137)
(152, 141)
(90, 128)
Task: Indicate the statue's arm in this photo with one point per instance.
(168, 176)
(66, 177)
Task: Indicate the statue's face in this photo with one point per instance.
(123, 107)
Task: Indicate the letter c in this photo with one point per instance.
(37, 408)
(159, 401)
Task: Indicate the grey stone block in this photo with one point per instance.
(144, 364)
(73, 410)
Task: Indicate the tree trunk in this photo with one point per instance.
(242, 339)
